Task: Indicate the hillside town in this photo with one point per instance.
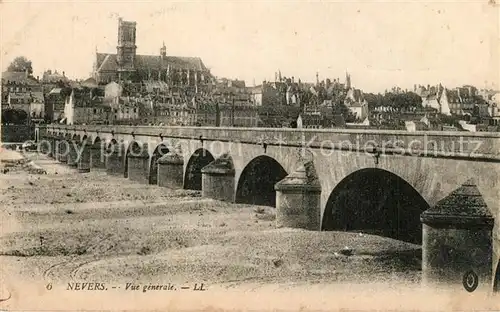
(163, 90)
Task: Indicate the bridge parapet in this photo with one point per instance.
(475, 145)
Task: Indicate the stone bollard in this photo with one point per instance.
(457, 240)
(298, 199)
(171, 170)
(53, 146)
(97, 160)
(73, 153)
(63, 151)
(56, 148)
(138, 167)
(50, 146)
(44, 145)
(217, 180)
(114, 160)
(84, 159)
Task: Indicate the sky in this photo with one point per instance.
(380, 43)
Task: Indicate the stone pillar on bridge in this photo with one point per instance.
(54, 141)
(44, 144)
(457, 240)
(298, 199)
(97, 160)
(138, 167)
(84, 159)
(62, 150)
(114, 160)
(72, 153)
(171, 170)
(217, 180)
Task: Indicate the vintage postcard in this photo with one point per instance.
(250, 155)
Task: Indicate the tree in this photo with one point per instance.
(20, 64)
(14, 116)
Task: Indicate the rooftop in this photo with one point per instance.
(108, 62)
(466, 202)
(18, 77)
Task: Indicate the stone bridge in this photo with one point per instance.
(372, 180)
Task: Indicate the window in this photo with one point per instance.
(95, 111)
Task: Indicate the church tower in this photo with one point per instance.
(347, 81)
(126, 49)
(163, 51)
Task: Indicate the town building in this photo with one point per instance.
(55, 102)
(20, 91)
(127, 65)
(357, 104)
(168, 114)
(245, 115)
(431, 98)
(207, 114)
(234, 106)
(53, 77)
(86, 106)
(37, 108)
(323, 101)
(269, 93)
(461, 100)
(124, 110)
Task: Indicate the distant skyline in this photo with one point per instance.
(381, 44)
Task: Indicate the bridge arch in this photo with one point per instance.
(256, 182)
(97, 140)
(199, 159)
(133, 148)
(111, 143)
(375, 201)
(160, 150)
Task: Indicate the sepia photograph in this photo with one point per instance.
(250, 155)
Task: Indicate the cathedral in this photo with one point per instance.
(126, 65)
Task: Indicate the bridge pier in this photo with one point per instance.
(138, 167)
(72, 153)
(298, 199)
(457, 239)
(218, 179)
(171, 170)
(57, 142)
(96, 157)
(84, 159)
(114, 161)
(62, 151)
(44, 145)
(53, 147)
